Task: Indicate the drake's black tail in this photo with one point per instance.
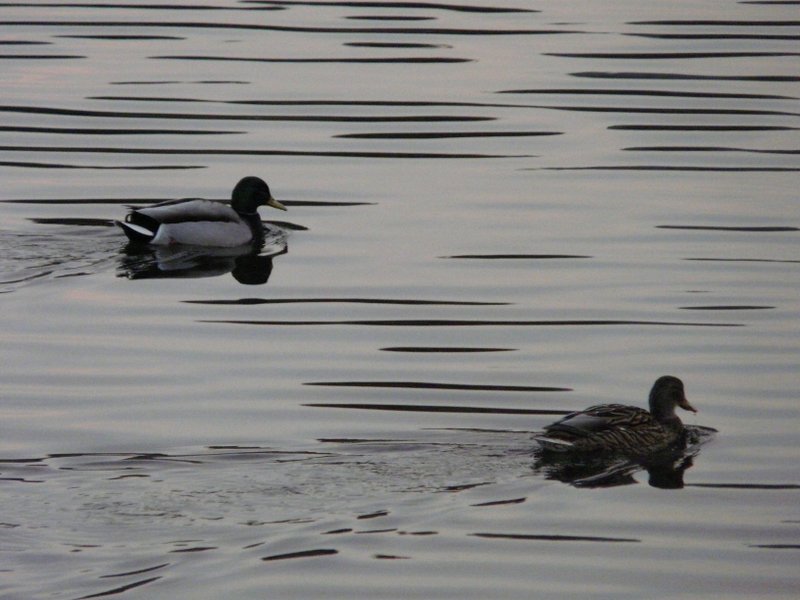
(136, 233)
(138, 227)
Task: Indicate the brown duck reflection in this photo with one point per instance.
(665, 469)
(249, 264)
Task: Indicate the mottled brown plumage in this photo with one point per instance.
(621, 428)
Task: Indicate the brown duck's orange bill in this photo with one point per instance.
(686, 406)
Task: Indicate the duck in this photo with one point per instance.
(199, 222)
(621, 428)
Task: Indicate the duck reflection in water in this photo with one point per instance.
(250, 264)
(665, 468)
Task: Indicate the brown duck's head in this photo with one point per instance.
(667, 393)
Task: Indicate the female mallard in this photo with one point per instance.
(620, 428)
(200, 222)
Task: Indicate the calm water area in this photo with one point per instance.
(498, 213)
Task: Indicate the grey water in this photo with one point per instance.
(498, 213)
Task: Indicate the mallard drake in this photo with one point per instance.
(620, 428)
(198, 222)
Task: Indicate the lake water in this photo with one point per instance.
(498, 213)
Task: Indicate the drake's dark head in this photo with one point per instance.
(667, 393)
(250, 193)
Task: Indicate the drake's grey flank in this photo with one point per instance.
(198, 222)
(621, 428)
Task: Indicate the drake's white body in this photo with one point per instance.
(194, 222)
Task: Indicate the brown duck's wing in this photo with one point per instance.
(596, 419)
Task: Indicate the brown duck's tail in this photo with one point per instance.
(554, 444)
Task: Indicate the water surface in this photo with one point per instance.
(497, 215)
